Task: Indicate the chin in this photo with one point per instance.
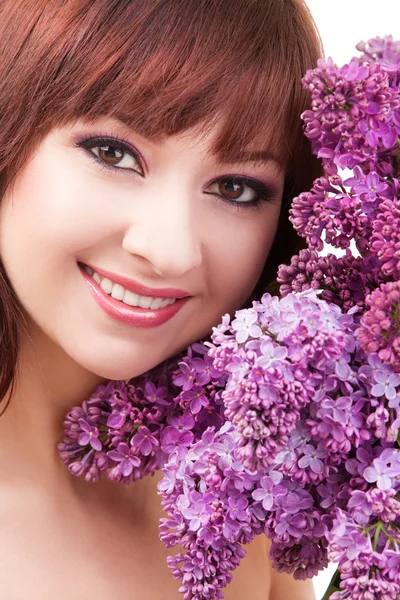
(117, 368)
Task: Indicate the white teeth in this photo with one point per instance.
(106, 285)
(168, 301)
(119, 293)
(156, 303)
(145, 301)
(130, 298)
(165, 302)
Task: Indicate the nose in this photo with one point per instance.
(164, 231)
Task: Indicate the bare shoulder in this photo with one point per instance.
(284, 587)
(252, 579)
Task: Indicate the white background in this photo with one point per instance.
(342, 24)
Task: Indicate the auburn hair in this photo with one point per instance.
(160, 66)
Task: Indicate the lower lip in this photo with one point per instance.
(132, 315)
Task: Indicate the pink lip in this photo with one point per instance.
(138, 288)
(132, 315)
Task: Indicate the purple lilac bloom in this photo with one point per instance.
(380, 325)
(245, 325)
(119, 415)
(89, 435)
(144, 440)
(383, 469)
(126, 458)
(312, 458)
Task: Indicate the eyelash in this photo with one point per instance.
(264, 193)
(91, 142)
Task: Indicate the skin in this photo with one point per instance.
(163, 226)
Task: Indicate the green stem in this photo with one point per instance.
(378, 529)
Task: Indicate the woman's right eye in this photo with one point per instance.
(113, 154)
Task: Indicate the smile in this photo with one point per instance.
(131, 299)
(128, 305)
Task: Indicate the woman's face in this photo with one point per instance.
(173, 238)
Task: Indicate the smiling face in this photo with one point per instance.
(171, 236)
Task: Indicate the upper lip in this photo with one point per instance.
(138, 288)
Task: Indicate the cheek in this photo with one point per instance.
(53, 208)
(239, 254)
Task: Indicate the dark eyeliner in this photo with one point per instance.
(265, 193)
(87, 143)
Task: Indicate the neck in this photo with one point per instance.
(47, 385)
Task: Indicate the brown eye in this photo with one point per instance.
(231, 189)
(110, 154)
(237, 190)
(115, 155)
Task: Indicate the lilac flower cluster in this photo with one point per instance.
(210, 512)
(354, 124)
(126, 430)
(275, 354)
(336, 453)
(287, 422)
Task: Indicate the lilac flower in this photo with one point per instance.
(184, 422)
(296, 500)
(346, 539)
(380, 473)
(245, 325)
(126, 457)
(204, 369)
(89, 435)
(380, 329)
(385, 385)
(385, 240)
(197, 398)
(360, 507)
(225, 450)
(270, 354)
(266, 492)
(197, 514)
(156, 394)
(312, 458)
(370, 187)
(237, 508)
(186, 378)
(167, 484)
(144, 441)
(119, 415)
(172, 438)
(328, 492)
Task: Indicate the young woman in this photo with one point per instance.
(148, 153)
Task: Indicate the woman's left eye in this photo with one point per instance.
(113, 154)
(239, 190)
